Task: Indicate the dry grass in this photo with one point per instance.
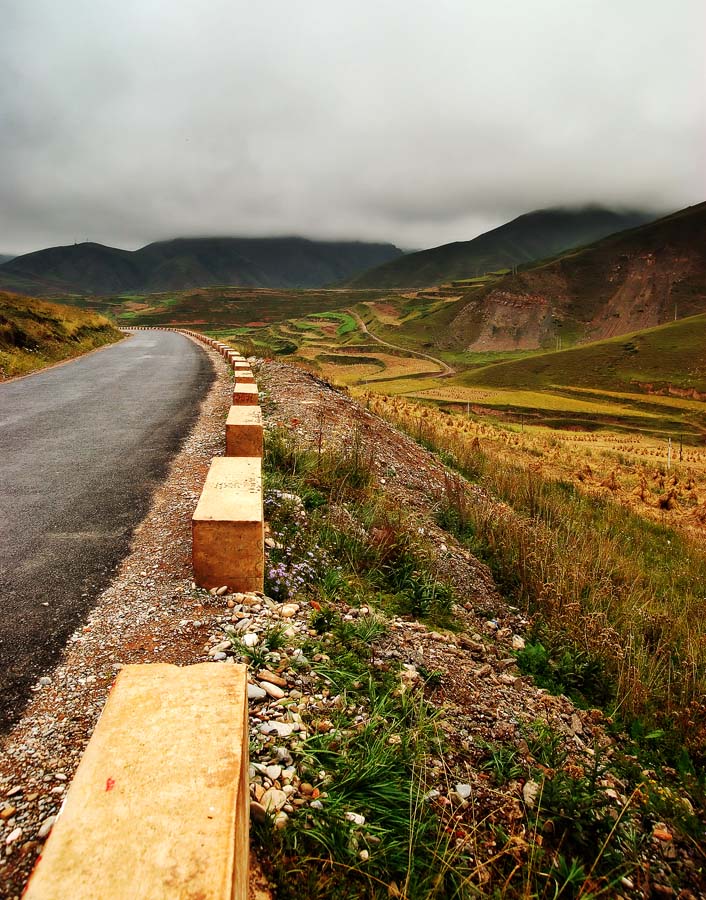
(35, 334)
(541, 400)
(620, 575)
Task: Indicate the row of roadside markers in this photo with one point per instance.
(155, 811)
(228, 523)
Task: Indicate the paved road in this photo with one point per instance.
(82, 446)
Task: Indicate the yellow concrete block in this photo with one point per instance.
(245, 395)
(244, 431)
(227, 526)
(158, 808)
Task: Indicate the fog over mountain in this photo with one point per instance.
(133, 121)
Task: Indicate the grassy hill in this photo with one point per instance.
(34, 334)
(91, 268)
(534, 236)
(626, 282)
(5, 257)
(671, 356)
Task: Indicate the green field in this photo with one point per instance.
(669, 355)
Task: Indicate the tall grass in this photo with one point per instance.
(626, 591)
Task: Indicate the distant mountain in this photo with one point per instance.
(5, 257)
(536, 235)
(627, 282)
(191, 262)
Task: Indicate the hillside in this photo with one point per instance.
(536, 235)
(626, 282)
(34, 334)
(91, 268)
(5, 257)
(669, 358)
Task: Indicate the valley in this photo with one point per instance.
(497, 457)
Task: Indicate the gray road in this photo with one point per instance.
(82, 447)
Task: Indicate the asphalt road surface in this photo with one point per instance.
(82, 447)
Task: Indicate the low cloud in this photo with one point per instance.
(126, 122)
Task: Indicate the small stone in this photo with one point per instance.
(45, 679)
(305, 788)
(463, 791)
(273, 772)
(661, 832)
(288, 610)
(258, 813)
(316, 804)
(281, 729)
(13, 836)
(46, 827)
(222, 590)
(530, 792)
(8, 812)
(266, 675)
(250, 639)
(281, 820)
(273, 799)
(272, 689)
(364, 855)
(255, 692)
(482, 671)
(518, 643)
(356, 818)
(324, 726)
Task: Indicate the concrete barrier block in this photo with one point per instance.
(245, 395)
(159, 805)
(227, 526)
(244, 431)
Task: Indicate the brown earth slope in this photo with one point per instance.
(633, 280)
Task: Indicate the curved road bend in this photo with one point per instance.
(82, 446)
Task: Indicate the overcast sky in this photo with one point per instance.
(127, 121)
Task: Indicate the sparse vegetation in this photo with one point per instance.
(378, 831)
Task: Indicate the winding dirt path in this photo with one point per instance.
(446, 369)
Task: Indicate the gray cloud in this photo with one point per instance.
(126, 121)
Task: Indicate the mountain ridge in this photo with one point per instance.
(92, 268)
(530, 237)
(626, 282)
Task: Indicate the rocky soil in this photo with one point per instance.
(151, 612)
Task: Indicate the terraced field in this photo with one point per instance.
(397, 343)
